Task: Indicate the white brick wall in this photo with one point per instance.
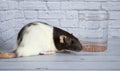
(80, 5)
(93, 15)
(86, 18)
(32, 5)
(114, 15)
(111, 5)
(31, 14)
(52, 14)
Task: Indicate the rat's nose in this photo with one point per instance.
(79, 48)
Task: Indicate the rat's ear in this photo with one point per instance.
(62, 38)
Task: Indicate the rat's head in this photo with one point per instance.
(70, 43)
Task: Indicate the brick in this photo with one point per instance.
(31, 14)
(54, 5)
(6, 15)
(93, 24)
(1, 41)
(0, 27)
(69, 23)
(51, 14)
(76, 0)
(53, 22)
(3, 5)
(58, 14)
(30, 20)
(8, 34)
(104, 24)
(96, 0)
(89, 33)
(80, 5)
(115, 15)
(8, 45)
(71, 14)
(114, 33)
(114, 24)
(19, 14)
(6, 25)
(10, 14)
(89, 24)
(19, 23)
(102, 0)
(111, 5)
(32, 5)
(56, 0)
(12, 4)
(93, 15)
(115, 0)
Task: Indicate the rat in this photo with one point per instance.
(39, 38)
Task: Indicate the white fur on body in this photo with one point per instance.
(37, 39)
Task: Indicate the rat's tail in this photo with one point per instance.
(7, 55)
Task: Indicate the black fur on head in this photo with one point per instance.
(66, 41)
